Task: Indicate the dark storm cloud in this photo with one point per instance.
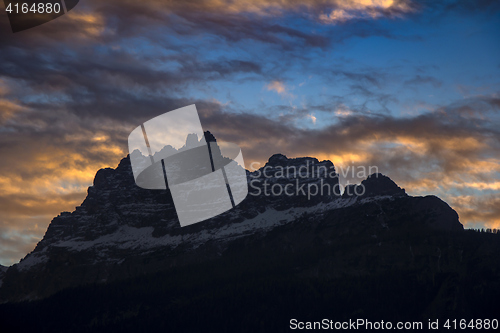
(117, 84)
(95, 21)
(74, 59)
(272, 22)
(240, 28)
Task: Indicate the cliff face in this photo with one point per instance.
(122, 231)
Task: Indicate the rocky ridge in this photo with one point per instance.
(121, 230)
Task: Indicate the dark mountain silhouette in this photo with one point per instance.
(376, 184)
(3, 269)
(121, 263)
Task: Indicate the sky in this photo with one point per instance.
(409, 86)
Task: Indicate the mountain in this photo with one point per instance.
(119, 224)
(296, 246)
(3, 269)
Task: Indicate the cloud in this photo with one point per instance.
(281, 89)
(312, 117)
(366, 9)
(477, 210)
(268, 21)
(48, 161)
(351, 8)
(277, 86)
(421, 80)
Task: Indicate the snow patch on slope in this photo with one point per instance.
(31, 260)
(141, 239)
(128, 237)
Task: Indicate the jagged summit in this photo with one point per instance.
(283, 161)
(277, 159)
(376, 184)
(379, 184)
(121, 230)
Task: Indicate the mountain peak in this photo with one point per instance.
(280, 160)
(376, 184)
(379, 184)
(277, 159)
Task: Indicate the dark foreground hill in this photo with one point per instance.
(121, 263)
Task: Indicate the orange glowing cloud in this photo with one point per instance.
(343, 9)
(277, 86)
(361, 9)
(281, 89)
